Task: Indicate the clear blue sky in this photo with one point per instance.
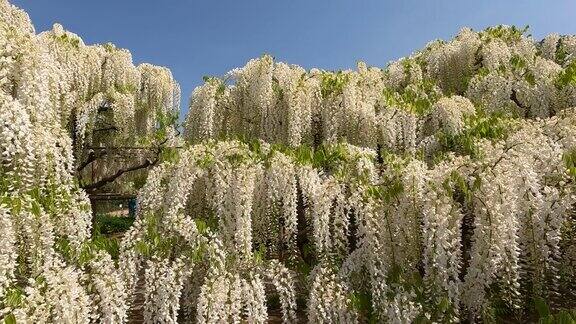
(210, 37)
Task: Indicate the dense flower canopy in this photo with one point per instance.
(499, 70)
(466, 177)
(104, 100)
(93, 77)
(438, 189)
(50, 270)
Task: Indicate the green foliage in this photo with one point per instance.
(508, 34)
(10, 319)
(436, 306)
(48, 198)
(304, 265)
(561, 52)
(13, 297)
(569, 158)
(330, 158)
(107, 224)
(154, 244)
(387, 191)
(237, 159)
(88, 250)
(333, 159)
(101, 243)
(139, 179)
(407, 65)
(567, 76)
(530, 78)
(125, 88)
(109, 47)
(201, 226)
(208, 78)
(62, 246)
(492, 126)
(164, 122)
(221, 84)
(545, 315)
(519, 64)
(260, 254)
(206, 224)
(333, 83)
(361, 301)
(541, 307)
(456, 183)
(417, 98)
(169, 154)
(68, 40)
(482, 71)
(277, 89)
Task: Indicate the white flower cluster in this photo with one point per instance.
(449, 114)
(109, 290)
(468, 190)
(36, 161)
(104, 99)
(435, 188)
(50, 270)
(96, 76)
(8, 248)
(232, 298)
(164, 283)
(56, 296)
(248, 192)
(328, 301)
(283, 282)
(464, 221)
(498, 70)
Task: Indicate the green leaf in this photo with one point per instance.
(529, 77)
(444, 304)
(361, 301)
(201, 225)
(10, 319)
(541, 307)
(14, 297)
(568, 76)
(564, 317)
(36, 208)
(142, 248)
(260, 254)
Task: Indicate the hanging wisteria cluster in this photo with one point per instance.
(426, 241)
(438, 189)
(104, 100)
(93, 77)
(51, 269)
(453, 199)
(499, 70)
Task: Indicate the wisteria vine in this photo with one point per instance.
(437, 189)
